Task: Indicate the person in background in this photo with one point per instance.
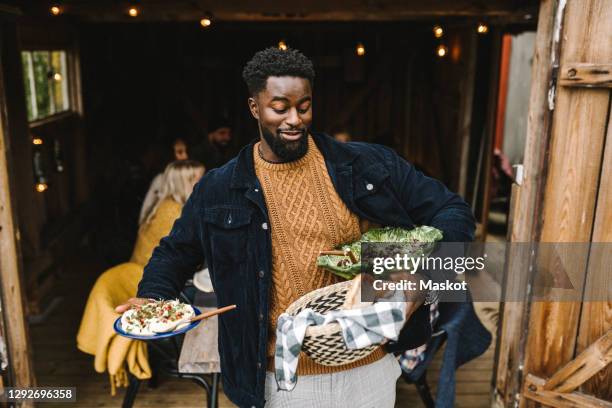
(96, 335)
(216, 149)
(179, 149)
(178, 180)
(341, 134)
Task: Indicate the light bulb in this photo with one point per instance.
(282, 45)
(37, 141)
(205, 22)
(360, 50)
(438, 31)
(441, 50)
(57, 76)
(133, 12)
(41, 187)
(55, 10)
(482, 28)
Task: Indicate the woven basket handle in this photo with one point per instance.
(353, 297)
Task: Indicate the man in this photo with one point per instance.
(261, 220)
(216, 150)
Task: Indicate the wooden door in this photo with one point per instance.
(558, 353)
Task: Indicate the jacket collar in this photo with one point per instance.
(334, 152)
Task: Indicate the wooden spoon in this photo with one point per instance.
(168, 327)
(212, 313)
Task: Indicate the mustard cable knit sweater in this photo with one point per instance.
(306, 216)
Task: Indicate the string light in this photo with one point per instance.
(282, 45)
(206, 20)
(133, 11)
(438, 31)
(441, 50)
(37, 141)
(482, 28)
(360, 50)
(41, 187)
(57, 76)
(55, 9)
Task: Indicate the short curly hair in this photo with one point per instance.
(276, 62)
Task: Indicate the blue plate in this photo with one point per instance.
(119, 330)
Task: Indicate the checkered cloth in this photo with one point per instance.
(360, 328)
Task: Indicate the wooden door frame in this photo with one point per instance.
(526, 204)
(11, 287)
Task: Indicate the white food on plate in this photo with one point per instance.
(156, 317)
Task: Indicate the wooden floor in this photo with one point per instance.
(59, 363)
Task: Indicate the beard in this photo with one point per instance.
(287, 151)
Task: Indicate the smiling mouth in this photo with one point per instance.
(291, 135)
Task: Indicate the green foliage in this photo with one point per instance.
(419, 241)
(45, 83)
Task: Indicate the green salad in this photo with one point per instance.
(416, 242)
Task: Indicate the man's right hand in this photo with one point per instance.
(132, 302)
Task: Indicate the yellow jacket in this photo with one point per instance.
(96, 334)
(150, 233)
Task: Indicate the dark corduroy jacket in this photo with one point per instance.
(225, 222)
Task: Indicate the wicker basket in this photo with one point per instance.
(324, 344)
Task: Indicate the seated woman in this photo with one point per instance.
(179, 149)
(96, 335)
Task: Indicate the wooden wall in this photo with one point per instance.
(44, 217)
(148, 83)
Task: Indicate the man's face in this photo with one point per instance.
(284, 112)
(221, 137)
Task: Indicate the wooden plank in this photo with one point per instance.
(502, 97)
(313, 10)
(574, 168)
(592, 360)
(524, 228)
(29, 203)
(573, 400)
(586, 75)
(534, 390)
(596, 316)
(373, 82)
(10, 278)
(490, 129)
(465, 109)
(511, 311)
(80, 174)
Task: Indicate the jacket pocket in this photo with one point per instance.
(228, 230)
(370, 180)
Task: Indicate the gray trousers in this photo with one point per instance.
(369, 386)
